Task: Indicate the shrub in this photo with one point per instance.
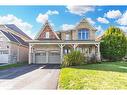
(73, 58)
(113, 44)
(92, 59)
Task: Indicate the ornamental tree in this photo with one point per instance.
(113, 44)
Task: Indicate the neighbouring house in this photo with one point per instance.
(49, 46)
(13, 47)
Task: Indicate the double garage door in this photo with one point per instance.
(47, 57)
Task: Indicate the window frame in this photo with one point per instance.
(47, 35)
(83, 34)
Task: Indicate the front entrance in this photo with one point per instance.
(47, 57)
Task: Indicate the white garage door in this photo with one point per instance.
(4, 56)
(40, 57)
(54, 57)
(47, 57)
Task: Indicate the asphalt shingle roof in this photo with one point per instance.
(9, 36)
(20, 40)
(16, 29)
(14, 38)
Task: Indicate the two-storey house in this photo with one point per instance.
(49, 47)
(13, 45)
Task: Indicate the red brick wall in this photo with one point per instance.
(42, 36)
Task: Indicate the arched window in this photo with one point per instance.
(83, 34)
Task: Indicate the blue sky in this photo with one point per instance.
(31, 18)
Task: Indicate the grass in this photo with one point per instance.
(106, 75)
(12, 66)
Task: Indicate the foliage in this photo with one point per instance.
(113, 44)
(73, 58)
(92, 59)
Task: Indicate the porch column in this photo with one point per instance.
(61, 48)
(74, 46)
(98, 52)
(33, 55)
(30, 46)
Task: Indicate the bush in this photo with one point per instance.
(73, 58)
(113, 44)
(92, 59)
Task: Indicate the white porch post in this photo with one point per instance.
(61, 52)
(74, 46)
(98, 52)
(30, 46)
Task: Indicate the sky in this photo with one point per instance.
(30, 19)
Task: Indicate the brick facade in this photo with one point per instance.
(47, 28)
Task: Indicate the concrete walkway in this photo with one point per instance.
(30, 77)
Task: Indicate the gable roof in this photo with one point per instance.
(9, 36)
(14, 38)
(16, 29)
(42, 30)
(87, 24)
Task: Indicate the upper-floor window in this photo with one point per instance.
(47, 35)
(67, 37)
(83, 34)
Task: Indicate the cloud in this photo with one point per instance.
(124, 28)
(113, 14)
(67, 26)
(41, 18)
(49, 12)
(80, 10)
(90, 21)
(102, 20)
(11, 19)
(100, 31)
(123, 19)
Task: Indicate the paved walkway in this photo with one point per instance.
(30, 77)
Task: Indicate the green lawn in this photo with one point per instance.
(12, 66)
(106, 75)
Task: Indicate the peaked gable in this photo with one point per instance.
(85, 24)
(47, 29)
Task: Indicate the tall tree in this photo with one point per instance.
(113, 44)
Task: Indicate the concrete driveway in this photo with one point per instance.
(30, 77)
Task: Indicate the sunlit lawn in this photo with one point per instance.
(106, 75)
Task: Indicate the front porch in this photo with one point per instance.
(63, 47)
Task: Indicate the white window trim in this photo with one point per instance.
(47, 35)
(85, 36)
